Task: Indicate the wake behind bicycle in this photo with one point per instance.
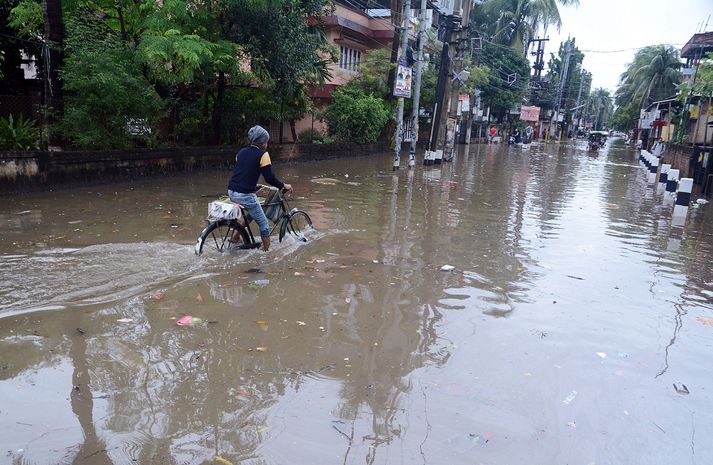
(229, 224)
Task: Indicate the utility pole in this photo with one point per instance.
(443, 72)
(400, 107)
(475, 52)
(575, 117)
(561, 83)
(417, 84)
(448, 55)
(539, 64)
(456, 68)
(396, 17)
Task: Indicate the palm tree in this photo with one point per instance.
(517, 21)
(600, 108)
(653, 75)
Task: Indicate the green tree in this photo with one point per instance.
(625, 117)
(653, 75)
(194, 57)
(354, 116)
(109, 102)
(600, 109)
(515, 22)
(507, 78)
(576, 79)
(373, 77)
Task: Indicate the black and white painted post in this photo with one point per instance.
(672, 181)
(683, 197)
(671, 186)
(428, 158)
(653, 169)
(438, 157)
(663, 177)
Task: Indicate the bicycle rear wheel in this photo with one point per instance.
(222, 236)
(297, 224)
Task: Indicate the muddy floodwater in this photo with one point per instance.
(574, 325)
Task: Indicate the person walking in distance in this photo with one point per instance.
(493, 133)
(250, 163)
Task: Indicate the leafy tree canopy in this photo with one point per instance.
(507, 78)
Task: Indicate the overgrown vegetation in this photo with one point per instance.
(136, 72)
(356, 116)
(20, 134)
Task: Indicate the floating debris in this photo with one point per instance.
(568, 400)
(258, 283)
(448, 268)
(222, 461)
(681, 388)
(325, 181)
(188, 320)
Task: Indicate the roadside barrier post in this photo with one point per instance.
(427, 158)
(663, 177)
(653, 169)
(683, 197)
(671, 185)
(672, 181)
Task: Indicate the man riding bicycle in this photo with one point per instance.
(250, 163)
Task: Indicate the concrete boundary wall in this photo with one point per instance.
(36, 170)
(679, 157)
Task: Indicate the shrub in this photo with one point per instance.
(354, 116)
(18, 135)
(311, 136)
(109, 104)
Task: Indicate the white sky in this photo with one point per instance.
(625, 24)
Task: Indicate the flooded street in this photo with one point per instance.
(575, 327)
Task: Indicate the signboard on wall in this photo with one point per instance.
(402, 85)
(530, 113)
(646, 119)
(463, 104)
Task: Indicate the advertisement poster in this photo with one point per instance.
(402, 86)
(463, 104)
(530, 113)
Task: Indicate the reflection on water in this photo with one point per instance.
(573, 306)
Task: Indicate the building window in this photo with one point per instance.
(350, 59)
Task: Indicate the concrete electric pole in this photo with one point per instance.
(400, 107)
(459, 77)
(561, 84)
(417, 84)
(434, 156)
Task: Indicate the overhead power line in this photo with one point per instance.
(629, 49)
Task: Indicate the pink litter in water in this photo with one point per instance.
(184, 320)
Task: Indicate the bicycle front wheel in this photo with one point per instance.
(297, 224)
(222, 236)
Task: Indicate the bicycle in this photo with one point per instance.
(229, 223)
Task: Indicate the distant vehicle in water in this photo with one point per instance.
(596, 140)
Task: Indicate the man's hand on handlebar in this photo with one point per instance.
(287, 188)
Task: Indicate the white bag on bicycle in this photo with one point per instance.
(218, 210)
